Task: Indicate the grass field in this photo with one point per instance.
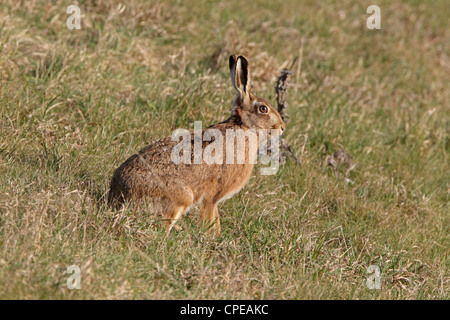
(74, 104)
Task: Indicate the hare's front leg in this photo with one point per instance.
(209, 217)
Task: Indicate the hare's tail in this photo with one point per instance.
(115, 196)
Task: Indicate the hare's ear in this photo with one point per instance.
(240, 75)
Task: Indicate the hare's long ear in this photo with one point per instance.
(240, 75)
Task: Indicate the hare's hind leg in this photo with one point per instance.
(173, 215)
(209, 217)
(179, 202)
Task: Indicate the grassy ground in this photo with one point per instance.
(74, 104)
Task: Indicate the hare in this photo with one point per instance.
(175, 188)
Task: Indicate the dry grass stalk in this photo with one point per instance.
(280, 91)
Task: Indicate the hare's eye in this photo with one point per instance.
(263, 109)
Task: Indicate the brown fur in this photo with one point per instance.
(173, 188)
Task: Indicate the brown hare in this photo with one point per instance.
(174, 188)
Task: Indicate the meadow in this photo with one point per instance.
(75, 104)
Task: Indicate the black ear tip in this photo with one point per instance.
(243, 59)
(232, 60)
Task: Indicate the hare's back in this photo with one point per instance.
(156, 158)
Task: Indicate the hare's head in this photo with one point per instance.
(255, 113)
